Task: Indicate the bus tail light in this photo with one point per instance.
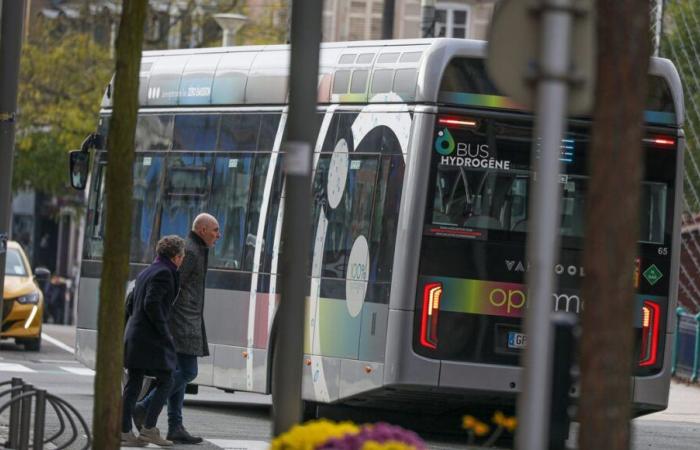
(651, 319)
(456, 121)
(432, 292)
(661, 141)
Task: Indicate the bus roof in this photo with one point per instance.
(358, 72)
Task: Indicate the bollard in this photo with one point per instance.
(25, 417)
(676, 340)
(564, 348)
(696, 356)
(39, 416)
(15, 408)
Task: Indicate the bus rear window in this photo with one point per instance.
(481, 184)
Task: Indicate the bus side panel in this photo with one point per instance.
(86, 346)
(676, 240)
(402, 365)
(651, 392)
(358, 179)
(88, 294)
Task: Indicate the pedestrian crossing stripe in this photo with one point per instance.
(225, 444)
(10, 367)
(84, 371)
(228, 444)
(19, 368)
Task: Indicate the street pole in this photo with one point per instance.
(388, 19)
(10, 47)
(288, 345)
(427, 18)
(552, 90)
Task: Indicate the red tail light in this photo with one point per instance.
(429, 318)
(661, 141)
(651, 318)
(457, 121)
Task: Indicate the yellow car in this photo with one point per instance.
(23, 301)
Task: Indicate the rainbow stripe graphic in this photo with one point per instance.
(501, 102)
(492, 298)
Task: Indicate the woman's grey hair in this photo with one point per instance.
(170, 246)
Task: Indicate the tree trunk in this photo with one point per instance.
(612, 224)
(115, 270)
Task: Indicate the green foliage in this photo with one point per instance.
(681, 44)
(61, 83)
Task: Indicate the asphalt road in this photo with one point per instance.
(241, 421)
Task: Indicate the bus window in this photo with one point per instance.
(195, 132)
(148, 171)
(385, 216)
(352, 216)
(653, 202)
(154, 132)
(186, 192)
(269, 125)
(239, 132)
(231, 188)
(262, 161)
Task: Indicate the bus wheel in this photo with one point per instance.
(309, 411)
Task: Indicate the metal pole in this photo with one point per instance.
(288, 346)
(26, 418)
(39, 415)
(564, 325)
(556, 20)
(388, 19)
(15, 409)
(10, 45)
(427, 18)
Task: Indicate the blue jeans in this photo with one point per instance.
(185, 372)
(158, 396)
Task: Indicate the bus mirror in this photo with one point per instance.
(79, 169)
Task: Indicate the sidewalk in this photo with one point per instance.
(683, 404)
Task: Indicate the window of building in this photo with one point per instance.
(451, 20)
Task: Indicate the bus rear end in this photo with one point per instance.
(471, 295)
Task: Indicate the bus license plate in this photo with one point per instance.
(517, 340)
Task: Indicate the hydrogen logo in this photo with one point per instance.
(444, 144)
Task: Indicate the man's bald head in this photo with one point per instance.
(206, 227)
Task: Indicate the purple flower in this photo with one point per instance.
(380, 432)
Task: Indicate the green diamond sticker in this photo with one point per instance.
(653, 274)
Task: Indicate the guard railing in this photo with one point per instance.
(21, 398)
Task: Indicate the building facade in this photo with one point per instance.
(351, 20)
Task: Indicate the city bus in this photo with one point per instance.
(421, 179)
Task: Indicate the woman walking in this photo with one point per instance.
(148, 345)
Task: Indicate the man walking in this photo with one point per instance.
(186, 325)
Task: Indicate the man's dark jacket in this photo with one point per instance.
(187, 315)
(148, 343)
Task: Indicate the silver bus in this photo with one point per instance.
(420, 192)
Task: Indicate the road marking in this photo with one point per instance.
(9, 367)
(229, 444)
(61, 361)
(84, 371)
(57, 343)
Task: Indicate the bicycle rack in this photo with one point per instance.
(20, 405)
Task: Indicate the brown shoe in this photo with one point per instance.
(152, 436)
(130, 440)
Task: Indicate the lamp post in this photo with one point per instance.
(230, 23)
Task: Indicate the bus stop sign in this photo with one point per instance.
(514, 47)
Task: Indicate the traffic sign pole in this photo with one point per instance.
(12, 18)
(552, 91)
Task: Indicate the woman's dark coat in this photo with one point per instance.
(148, 343)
